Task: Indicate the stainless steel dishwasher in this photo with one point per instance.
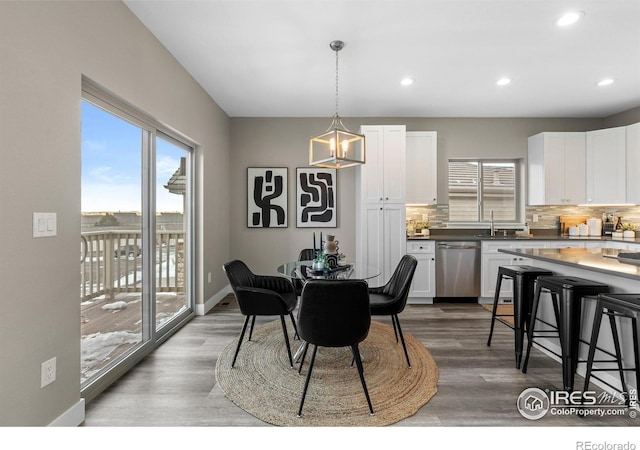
(458, 269)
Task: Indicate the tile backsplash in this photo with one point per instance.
(548, 216)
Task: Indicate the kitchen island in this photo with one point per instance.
(603, 265)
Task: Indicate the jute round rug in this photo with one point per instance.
(263, 384)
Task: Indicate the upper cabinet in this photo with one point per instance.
(606, 166)
(422, 167)
(556, 168)
(633, 163)
(383, 174)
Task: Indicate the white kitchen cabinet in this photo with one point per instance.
(492, 259)
(422, 167)
(382, 175)
(566, 244)
(606, 166)
(423, 286)
(633, 163)
(380, 200)
(557, 168)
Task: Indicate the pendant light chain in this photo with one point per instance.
(337, 50)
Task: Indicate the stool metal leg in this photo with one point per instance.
(595, 332)
(531, 327)
(616, 346)
(518, 316)
(496, 299)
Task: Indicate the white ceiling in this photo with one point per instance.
(271, 58)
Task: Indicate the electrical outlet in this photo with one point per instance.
(209, 277)
(48, 372)
(535, 218)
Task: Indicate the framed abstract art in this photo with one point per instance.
(267, 197)
(316, 198)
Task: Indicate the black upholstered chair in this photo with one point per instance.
(390, 299)
(306, 254)
(261, 295)
(334, 313)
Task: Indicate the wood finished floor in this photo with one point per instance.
(478, 385)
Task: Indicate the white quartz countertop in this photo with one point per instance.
(602, 260)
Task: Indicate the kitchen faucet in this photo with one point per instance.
(492, 227)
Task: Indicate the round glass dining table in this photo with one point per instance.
(301, 270)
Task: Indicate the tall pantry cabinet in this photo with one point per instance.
(380, 200)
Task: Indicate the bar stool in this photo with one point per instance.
(524, 278)
(615, 305)
(566, 294)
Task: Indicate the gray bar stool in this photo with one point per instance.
(624, 306)
(566, 294)
(524, 278)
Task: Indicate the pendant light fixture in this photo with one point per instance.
(337, 147)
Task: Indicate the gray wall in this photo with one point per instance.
(283, 142)
(45, 48)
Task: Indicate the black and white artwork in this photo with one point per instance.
(315, 198)
(267, 197)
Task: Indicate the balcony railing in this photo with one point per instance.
(111, 262)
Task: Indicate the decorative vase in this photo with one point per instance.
(628, 234)
(425, 232)
(331, 245)
(617, 235)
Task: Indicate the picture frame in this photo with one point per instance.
(316, 198)
(267, 199)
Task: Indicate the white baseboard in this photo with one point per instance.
(420, 300)
(204, 308)
(72, 417)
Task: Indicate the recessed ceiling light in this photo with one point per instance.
(503, 81)
(569, 18)
(605, 82)
(408, 81)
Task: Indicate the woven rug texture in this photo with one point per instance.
(263, 384)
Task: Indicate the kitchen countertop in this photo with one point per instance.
(540, 237)
(598, 260)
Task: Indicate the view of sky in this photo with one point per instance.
(112, 165)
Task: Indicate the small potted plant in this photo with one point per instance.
(320, 262)
(423, 228)
(628, 230)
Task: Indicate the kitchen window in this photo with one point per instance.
(476, 187)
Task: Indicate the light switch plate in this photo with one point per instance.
(44, 224)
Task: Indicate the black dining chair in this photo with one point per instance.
(334, 313)
(306, 254)
(261, 295)
(390, 299)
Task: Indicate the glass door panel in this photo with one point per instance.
(111, 254)
(171, 230)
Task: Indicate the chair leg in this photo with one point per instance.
(595, 332)
(616, 346)
(305, 347)
(306, 381)
(295, 328)
(636, 351)
(395, 328)
(244, 329)
(496, 300)
(253, 322)
(404, 346)
(532, 326)
(286, 339)
(356, 356)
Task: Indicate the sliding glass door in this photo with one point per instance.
(135, 239)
